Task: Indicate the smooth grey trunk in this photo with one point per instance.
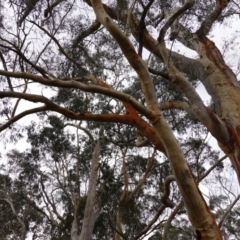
(92, 210)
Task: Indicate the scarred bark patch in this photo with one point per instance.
(232, 147)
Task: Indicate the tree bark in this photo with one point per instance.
(92, 210)
(198, 211)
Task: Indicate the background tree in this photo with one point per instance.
(93, 63)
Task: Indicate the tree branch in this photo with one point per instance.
(211, 18)
(227, 211)
(141, 26)
(58, 44)
(50, 202)
(23, 57)
(91, 212)
(5, 68)
(213, 123)
(77, 85)
(166, 193)
(155, 218)
(150, 167)
(168, 223)
(29, 7)
(173, 17)
(212, 167)
(51, 7)
(159, 73)
(176, 105)
(94, 27)
(67, 113)
(83, 129)
(21, 115)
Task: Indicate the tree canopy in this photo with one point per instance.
(117, 130)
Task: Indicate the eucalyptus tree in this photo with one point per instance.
(114, 57)
(61, 187)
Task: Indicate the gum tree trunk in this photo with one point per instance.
(198, 212)
(92, 209)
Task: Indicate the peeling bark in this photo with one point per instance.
(198, 212)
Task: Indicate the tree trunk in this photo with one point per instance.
(92, 210)
(222, 85)
(198, 211)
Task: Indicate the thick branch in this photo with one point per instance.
(166, 193)
(211, 18)
(128, 50)
(173, 17)
(67, 113)
(188, 65)
(159, 73)
(204, 223)
(213, 123)
(176, 105)
(95, 26)
(77, 85)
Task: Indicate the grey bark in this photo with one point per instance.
(92, 210)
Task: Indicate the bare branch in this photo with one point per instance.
(155, 218)
(227, 211)
(91, 211)
(5, 68)
(21, 115)
(150, 167)
(18, 101)
(166, 193)
(51, 7)
(173, 17)
(176, 105)
(125, 174)
(30, 5)
(94, 27)
(211, 18)
(50, 202)
(213, 123)
(58, 44)
(129, 13)
(141, 26)
(22, 56)
(74, 84)
(159, 73)
(83, 129)
(67, 113)
(168, 223)
(212, 167)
